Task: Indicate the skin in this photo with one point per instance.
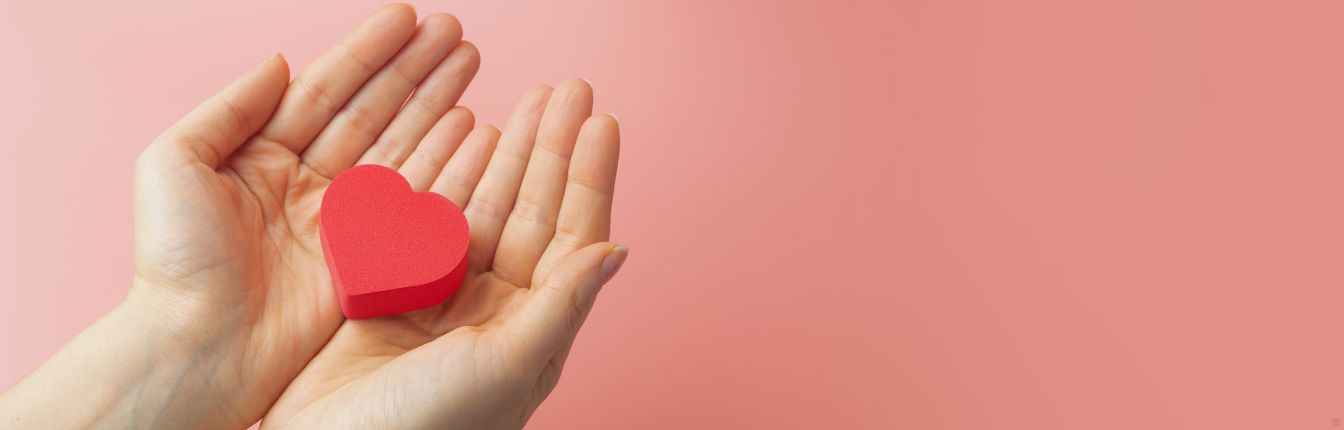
(231, 316)
(487, 357)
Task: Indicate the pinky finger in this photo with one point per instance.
(458, 179)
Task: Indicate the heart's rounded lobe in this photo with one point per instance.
(390, 249)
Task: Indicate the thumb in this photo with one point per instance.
(557, 308)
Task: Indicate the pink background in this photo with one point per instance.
(883, 214)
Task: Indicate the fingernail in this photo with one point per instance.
(613, 262)
(267, 60)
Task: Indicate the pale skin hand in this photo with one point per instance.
(540, 216)
(231, 296)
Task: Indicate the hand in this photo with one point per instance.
(231, 295)
(540, 215)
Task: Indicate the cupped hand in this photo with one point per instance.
(226, 204)
(538, 200)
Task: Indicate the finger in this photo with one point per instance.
(493, 199)
(459, 178)
(438, 94)
(223, 122)
(363, 118)
(434, 151)
(313, 98)
(531, 223)
(585, 213)
(554, 311)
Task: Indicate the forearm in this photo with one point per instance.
(128, 370)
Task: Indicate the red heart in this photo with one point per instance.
(390, 249)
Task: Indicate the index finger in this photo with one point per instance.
(317, 93)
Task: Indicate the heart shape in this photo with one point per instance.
(390, 249)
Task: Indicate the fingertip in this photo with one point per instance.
(266, 81)
(443, 23)
(397, 8)
(452, 20)
(277, 67)
(398, 15)
(612, 263)
(538, 89)
(470, 51)
(393, 23)
(488, 130)
(572, 100)
(597, 154)
(462, 113)
(575, 84)
(575, 89)
(482, 140)
(601, 128)
(463, 61)
(271, 70)
(606, 120)
(537, 94)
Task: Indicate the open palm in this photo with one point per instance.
(539, 215)
(227, 200)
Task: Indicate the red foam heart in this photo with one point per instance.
(390, 249)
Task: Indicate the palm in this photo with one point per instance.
(242, 236)
(381, 355)
(465, 355)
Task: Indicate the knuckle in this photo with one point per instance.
(529, 211)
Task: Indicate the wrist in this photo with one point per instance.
(170, 318)
(137, 367)
(193, 345)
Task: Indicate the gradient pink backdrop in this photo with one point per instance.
(883, 214)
